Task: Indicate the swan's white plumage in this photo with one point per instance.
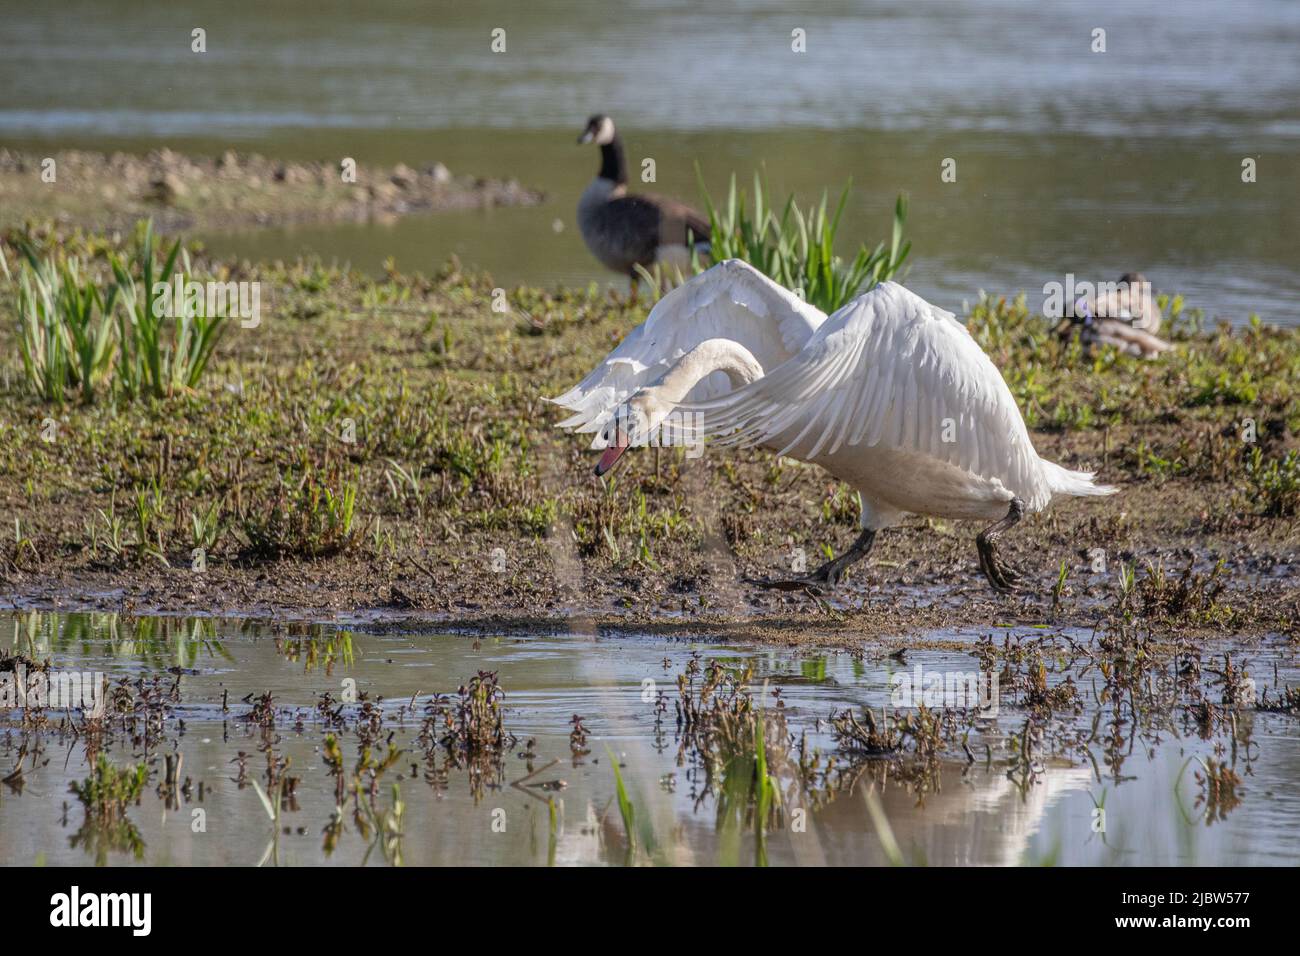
(890, 394)
(889, 369)
(732, 301)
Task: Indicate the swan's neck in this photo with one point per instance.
(711, 355)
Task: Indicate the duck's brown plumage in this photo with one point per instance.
(1126, 317)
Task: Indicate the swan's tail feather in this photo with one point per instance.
(1062, 481)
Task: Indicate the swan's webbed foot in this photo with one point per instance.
(1001, 575)
(825, 579)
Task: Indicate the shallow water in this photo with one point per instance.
(1067, 160)
(971, 813)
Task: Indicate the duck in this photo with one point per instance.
(625, 230)
(1123, 314)
(889, 394)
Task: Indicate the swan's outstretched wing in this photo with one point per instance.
(888, 369)
(731, 300)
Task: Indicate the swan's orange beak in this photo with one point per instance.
(612, 453)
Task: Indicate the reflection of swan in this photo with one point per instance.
(1017, 815)
(976, 818)
(594, 838)
(578, 842)
(890, 395)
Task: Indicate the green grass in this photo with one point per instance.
(312, 515)
(1275, 483)
(65, 325)
(90, 330)
(797, 247)
(160, 354)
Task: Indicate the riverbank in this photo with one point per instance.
(418, 402)
(109, 192)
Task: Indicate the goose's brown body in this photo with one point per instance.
(624, 230)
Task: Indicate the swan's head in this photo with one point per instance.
(600, 130)
(636, 423)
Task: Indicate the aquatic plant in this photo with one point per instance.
(1046, 698)
(79, 332)
(468, 730)
(65, 325)
(797, 247)
(272, 803)
(1219, 783)
(578, 739)
(109, 791)
(1287, 702)
(386, 823)
(867, 738)
(1191, 597)
(161, 354)
(766, 797)
(880, 823)
(476, 720)
(625, 808)
(105, 796)
(262, 712)
(742, 751)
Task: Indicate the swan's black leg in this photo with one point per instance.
(1002, 576)
(826, 577)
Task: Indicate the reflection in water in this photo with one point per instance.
(159, 642)
(301, 744)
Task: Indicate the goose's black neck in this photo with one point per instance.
(613, 164)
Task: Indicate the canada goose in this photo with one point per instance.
(1123, 314)
(623, 230)
(890, 395)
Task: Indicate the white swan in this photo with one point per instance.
(890, 395)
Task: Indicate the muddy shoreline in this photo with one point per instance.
(853, 619)
(232, 191)
(919, 592)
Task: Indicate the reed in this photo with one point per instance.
(797, 247)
